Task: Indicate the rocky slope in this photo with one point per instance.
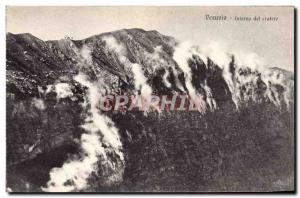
(241, 137)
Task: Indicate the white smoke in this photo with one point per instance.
(98, 121)
(141, 84)
(273, 77)
(63, 90)
(165, 78)
(221, 54)
(38, 103)
(74, 174)
(243, 87)
(140, 81)
(113, 44)
(49, 89)
(85, 54)
(181, 55)
(157, 60)
(217, 52)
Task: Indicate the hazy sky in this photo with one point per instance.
(273, 41)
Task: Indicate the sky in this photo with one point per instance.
(272, 41)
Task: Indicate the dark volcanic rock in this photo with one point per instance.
(246, 143)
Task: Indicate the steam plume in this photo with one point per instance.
(101, 137)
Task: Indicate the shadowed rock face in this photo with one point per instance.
(243, 141)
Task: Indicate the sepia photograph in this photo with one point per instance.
(150, 99)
